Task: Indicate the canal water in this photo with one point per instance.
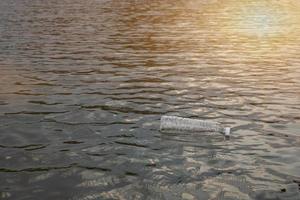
(83, 84)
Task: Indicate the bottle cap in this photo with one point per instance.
(227, 131)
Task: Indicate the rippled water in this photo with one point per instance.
(85, 82)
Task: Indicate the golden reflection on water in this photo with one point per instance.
(251, 29)
(263, 19)
(274, 22)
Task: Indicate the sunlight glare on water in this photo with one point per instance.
(264, 18)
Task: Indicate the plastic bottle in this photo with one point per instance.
(169, 123)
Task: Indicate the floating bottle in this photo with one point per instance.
(173, 123)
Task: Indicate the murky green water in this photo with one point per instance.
(83, 84)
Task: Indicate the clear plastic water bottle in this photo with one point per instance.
(173, 123)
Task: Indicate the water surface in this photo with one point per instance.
(85, 82)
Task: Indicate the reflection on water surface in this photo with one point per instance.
(84, 83)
